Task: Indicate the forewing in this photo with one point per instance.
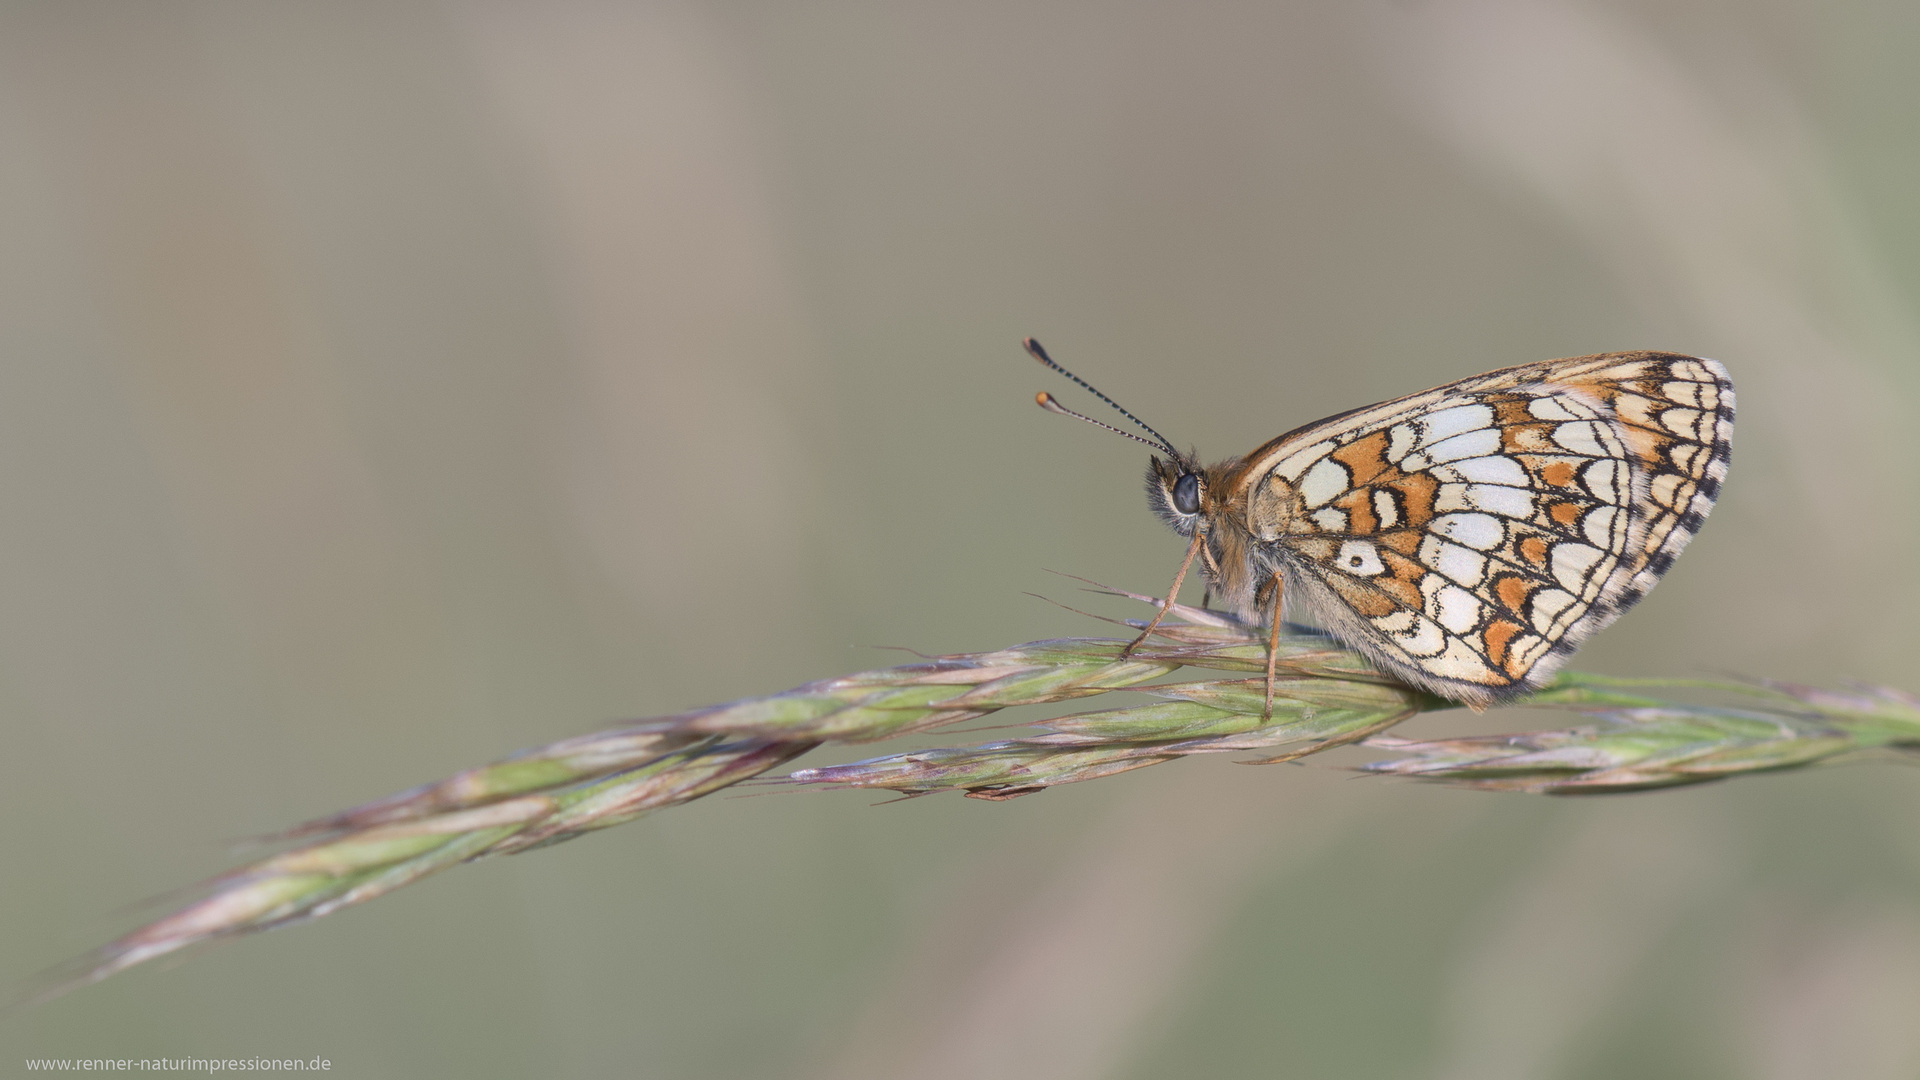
(1470, 537)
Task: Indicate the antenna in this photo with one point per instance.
(1047, 402)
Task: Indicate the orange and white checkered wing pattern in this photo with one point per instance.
(1469, 538)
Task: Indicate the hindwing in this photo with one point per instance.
(1470, 537)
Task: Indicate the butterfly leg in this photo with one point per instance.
(1273, 642)
(1173, 593)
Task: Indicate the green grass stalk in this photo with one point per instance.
(1640, 736)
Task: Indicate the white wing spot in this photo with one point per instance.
(1360, 558)
(1551, 408)
(1296, 463)
(1331, 519)
(1582, 438)
(1510, 502)
(1571, 564)
(1480, 531)
(1683, 393)
(1666, 489)
(1451, 561)
(1326, 481)
(1456, 609)
(1446, 423)
(1385, 509)
(1470, 444)
(1522, 652)
(1425, 639)
(1603, 479)
(1493, 469)
(1401, 439)
(1547, 604)
(1598, 527)
(1397, 623)
(1460, 662)
(1682, 422)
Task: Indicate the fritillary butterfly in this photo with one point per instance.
(1466, 539)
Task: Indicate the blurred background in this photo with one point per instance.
(388, 386)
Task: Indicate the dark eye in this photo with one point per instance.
(1186, 494)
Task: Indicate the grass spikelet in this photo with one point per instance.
(1638, 742)
(1325, 696)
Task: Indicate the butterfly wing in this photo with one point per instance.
(1470, 537)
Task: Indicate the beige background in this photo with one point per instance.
(386, 386)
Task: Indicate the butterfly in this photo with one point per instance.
(1465, 539)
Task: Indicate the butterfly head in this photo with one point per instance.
(1179, 491)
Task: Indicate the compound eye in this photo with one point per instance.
(1186, 494)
